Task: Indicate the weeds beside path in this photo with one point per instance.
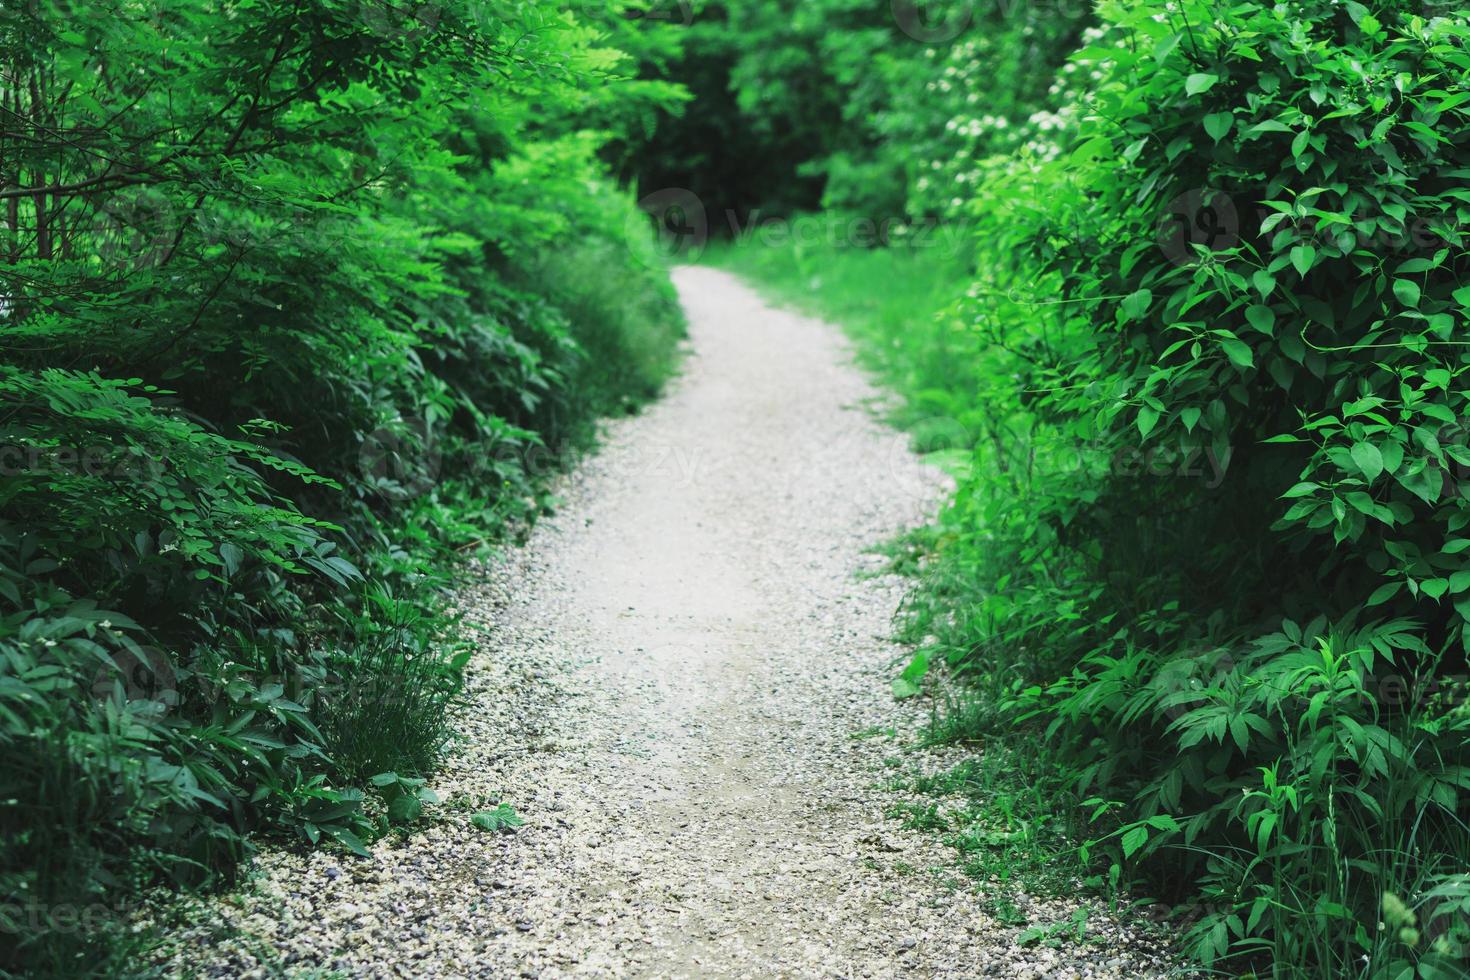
(704, 647)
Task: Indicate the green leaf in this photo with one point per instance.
(1133, 839)
(404, 808)
(1299, 143)
(1148, 417)
(1135, 304)
(1384, 593)
(1238, 351)
(1217, 124)
(503, 817)
(1302, 257)
(910, 682)
(1407, 291)
(348, 840)
(1263, 318)
(1200, 82)
(1369, 459)
(1392, 454)
(902, 688)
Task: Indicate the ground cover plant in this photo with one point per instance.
(293, 305)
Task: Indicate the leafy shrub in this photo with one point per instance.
(1213, 549)
(274, 348)
(1208, 545)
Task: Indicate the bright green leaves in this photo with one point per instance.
(910, 682)
(1200, 82)
(1302, 258)
(1136, 304)
(1147, 418)
(1407, 291)
(1391, 454)
(1368, 459)
(1303, 205)
(1367, 23)
(500, 819)
(388, 281)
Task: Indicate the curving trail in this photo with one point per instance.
(673, 673)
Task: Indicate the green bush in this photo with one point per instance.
(1213, 544)
(275, 347)
(1208, 546)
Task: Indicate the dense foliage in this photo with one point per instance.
(847, 105)
(295, 301)
(1228, 564)
(1209, 542)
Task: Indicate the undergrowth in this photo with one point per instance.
(298, 305)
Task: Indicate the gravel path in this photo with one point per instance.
(672, 675)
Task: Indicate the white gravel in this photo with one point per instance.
(669, 679)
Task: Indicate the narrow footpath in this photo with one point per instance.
(672, 680)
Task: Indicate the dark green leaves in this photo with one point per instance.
(1218, 124)
(1262, 318)
(1238, 351)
